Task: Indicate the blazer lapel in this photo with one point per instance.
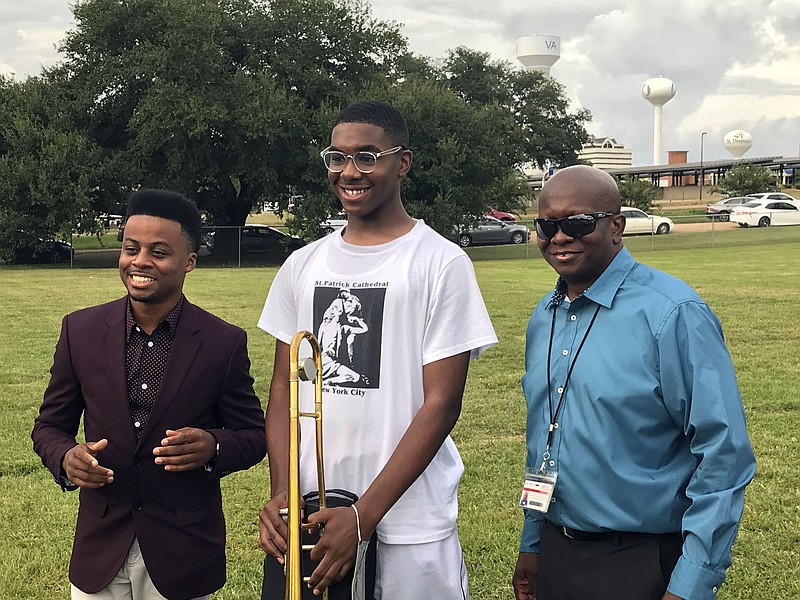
(185, 345)
(113, 350)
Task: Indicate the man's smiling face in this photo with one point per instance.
(574, 191)
(154, 260)
(367, 195)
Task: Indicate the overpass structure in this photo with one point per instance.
(710, 172)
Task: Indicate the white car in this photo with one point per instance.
(638, 221)
(772, 196)
(334, 223)
(763, 213)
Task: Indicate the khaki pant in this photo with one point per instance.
(132, 581)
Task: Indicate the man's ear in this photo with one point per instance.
(191, 263)
(617, 228)
(406, 158)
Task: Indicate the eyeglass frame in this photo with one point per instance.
(327, 151)
(596, 216)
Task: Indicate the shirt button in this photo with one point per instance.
(565, 352)
(552, 463)
(144, 386)
(553, 499)
(137, 424)
(714, 589)
(573, 317)
(561, 390)
(149, 344)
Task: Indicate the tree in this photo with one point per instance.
(463, 160)
(175, 91)
(218, 99)
(746, 179)
(231, 101)
(46, 182)
(637, 193)
(547, 131)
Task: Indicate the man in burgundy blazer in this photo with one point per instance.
(150, 471)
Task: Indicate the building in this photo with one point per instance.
(605, 153)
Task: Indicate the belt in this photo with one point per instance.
(588, 536)
(595, 536)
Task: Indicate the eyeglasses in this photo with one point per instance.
(574, 226)
(365, 162)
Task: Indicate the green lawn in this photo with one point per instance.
(755, 292)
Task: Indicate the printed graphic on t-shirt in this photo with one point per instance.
(348, 321)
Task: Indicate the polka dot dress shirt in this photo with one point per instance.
(145, 360)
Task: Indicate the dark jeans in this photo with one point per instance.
(630, 566)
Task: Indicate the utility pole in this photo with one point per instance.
(702, 179)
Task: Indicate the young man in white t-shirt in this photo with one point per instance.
(401, 315)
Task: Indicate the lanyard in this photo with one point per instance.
(562, 396)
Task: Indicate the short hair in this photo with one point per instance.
(383, 115)
(168, 205)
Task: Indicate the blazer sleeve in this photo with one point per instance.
(55, 428)
(241, 437)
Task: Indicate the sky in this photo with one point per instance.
(735, 64)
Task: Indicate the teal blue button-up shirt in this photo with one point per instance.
(651, 435)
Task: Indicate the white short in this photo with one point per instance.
(132, 581)
(431, 570)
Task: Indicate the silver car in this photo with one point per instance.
(721, 210)
(489, 230)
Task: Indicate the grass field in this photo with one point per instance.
(755, 290)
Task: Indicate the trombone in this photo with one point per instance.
(305, 369)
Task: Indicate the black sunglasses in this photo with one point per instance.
(574, 226)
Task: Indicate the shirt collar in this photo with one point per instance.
(171, 320)
(605, 287)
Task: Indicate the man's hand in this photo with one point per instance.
(272, 530)
(336, 549)
(185, 449)
(82, 468)
(525, 575)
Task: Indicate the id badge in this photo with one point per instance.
(537, 491)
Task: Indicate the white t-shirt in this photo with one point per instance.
(380, 314)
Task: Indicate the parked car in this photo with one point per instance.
(333, 223)
(499, 214)
(489, 230)
(763, 213)
(33, 249)
(256, 239)
(637, 221)
(262, 239)
(721, 210)
(772, 196)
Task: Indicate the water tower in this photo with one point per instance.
(737, 142)
(658, 91)
(539, 52)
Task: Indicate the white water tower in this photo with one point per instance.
(539, 52)
(737, 142)
(658, 91)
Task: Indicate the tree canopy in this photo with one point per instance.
(746, 179)
(638, 193)
(230, 102)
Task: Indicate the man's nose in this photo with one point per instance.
(142, 257)
(350, 171)
(560, 237)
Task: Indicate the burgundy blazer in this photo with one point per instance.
(177, 517)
